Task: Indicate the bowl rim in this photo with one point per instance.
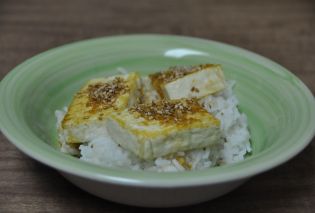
(145, 178)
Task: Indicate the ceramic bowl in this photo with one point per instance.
(280, 110)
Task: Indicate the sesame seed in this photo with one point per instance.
(194, 89)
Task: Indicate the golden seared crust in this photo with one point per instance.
(164, 127)
(163, 117)
(159, 79)
(103, 95)
(168, 111)
(98, 98)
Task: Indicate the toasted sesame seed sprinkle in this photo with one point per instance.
(105, 94)
(167, 110)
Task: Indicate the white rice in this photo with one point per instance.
(103, 151)
(233, 124)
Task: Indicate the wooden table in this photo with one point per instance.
(281, 30)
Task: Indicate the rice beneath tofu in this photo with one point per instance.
(103, 151)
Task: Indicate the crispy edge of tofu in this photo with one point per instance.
(140, 140)
(206, 120)
(150, 148)
(194, 92)
(158, 81)
(68, 125)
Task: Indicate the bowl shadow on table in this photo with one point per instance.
(284, 188)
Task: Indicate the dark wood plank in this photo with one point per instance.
(282, 30)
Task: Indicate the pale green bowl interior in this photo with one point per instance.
(280, 109)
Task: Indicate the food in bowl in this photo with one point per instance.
(164, 127)
(179, 119)
(86, 116)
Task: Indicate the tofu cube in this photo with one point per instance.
(164, 127)
(148, 93)
(189, 82)
(90, 107)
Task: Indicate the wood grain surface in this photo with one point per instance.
(283, 31)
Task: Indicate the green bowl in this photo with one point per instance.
(280, 110)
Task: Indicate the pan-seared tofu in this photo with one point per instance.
(148, 93)
(164, 127)
(188, 82)
(90, 107)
